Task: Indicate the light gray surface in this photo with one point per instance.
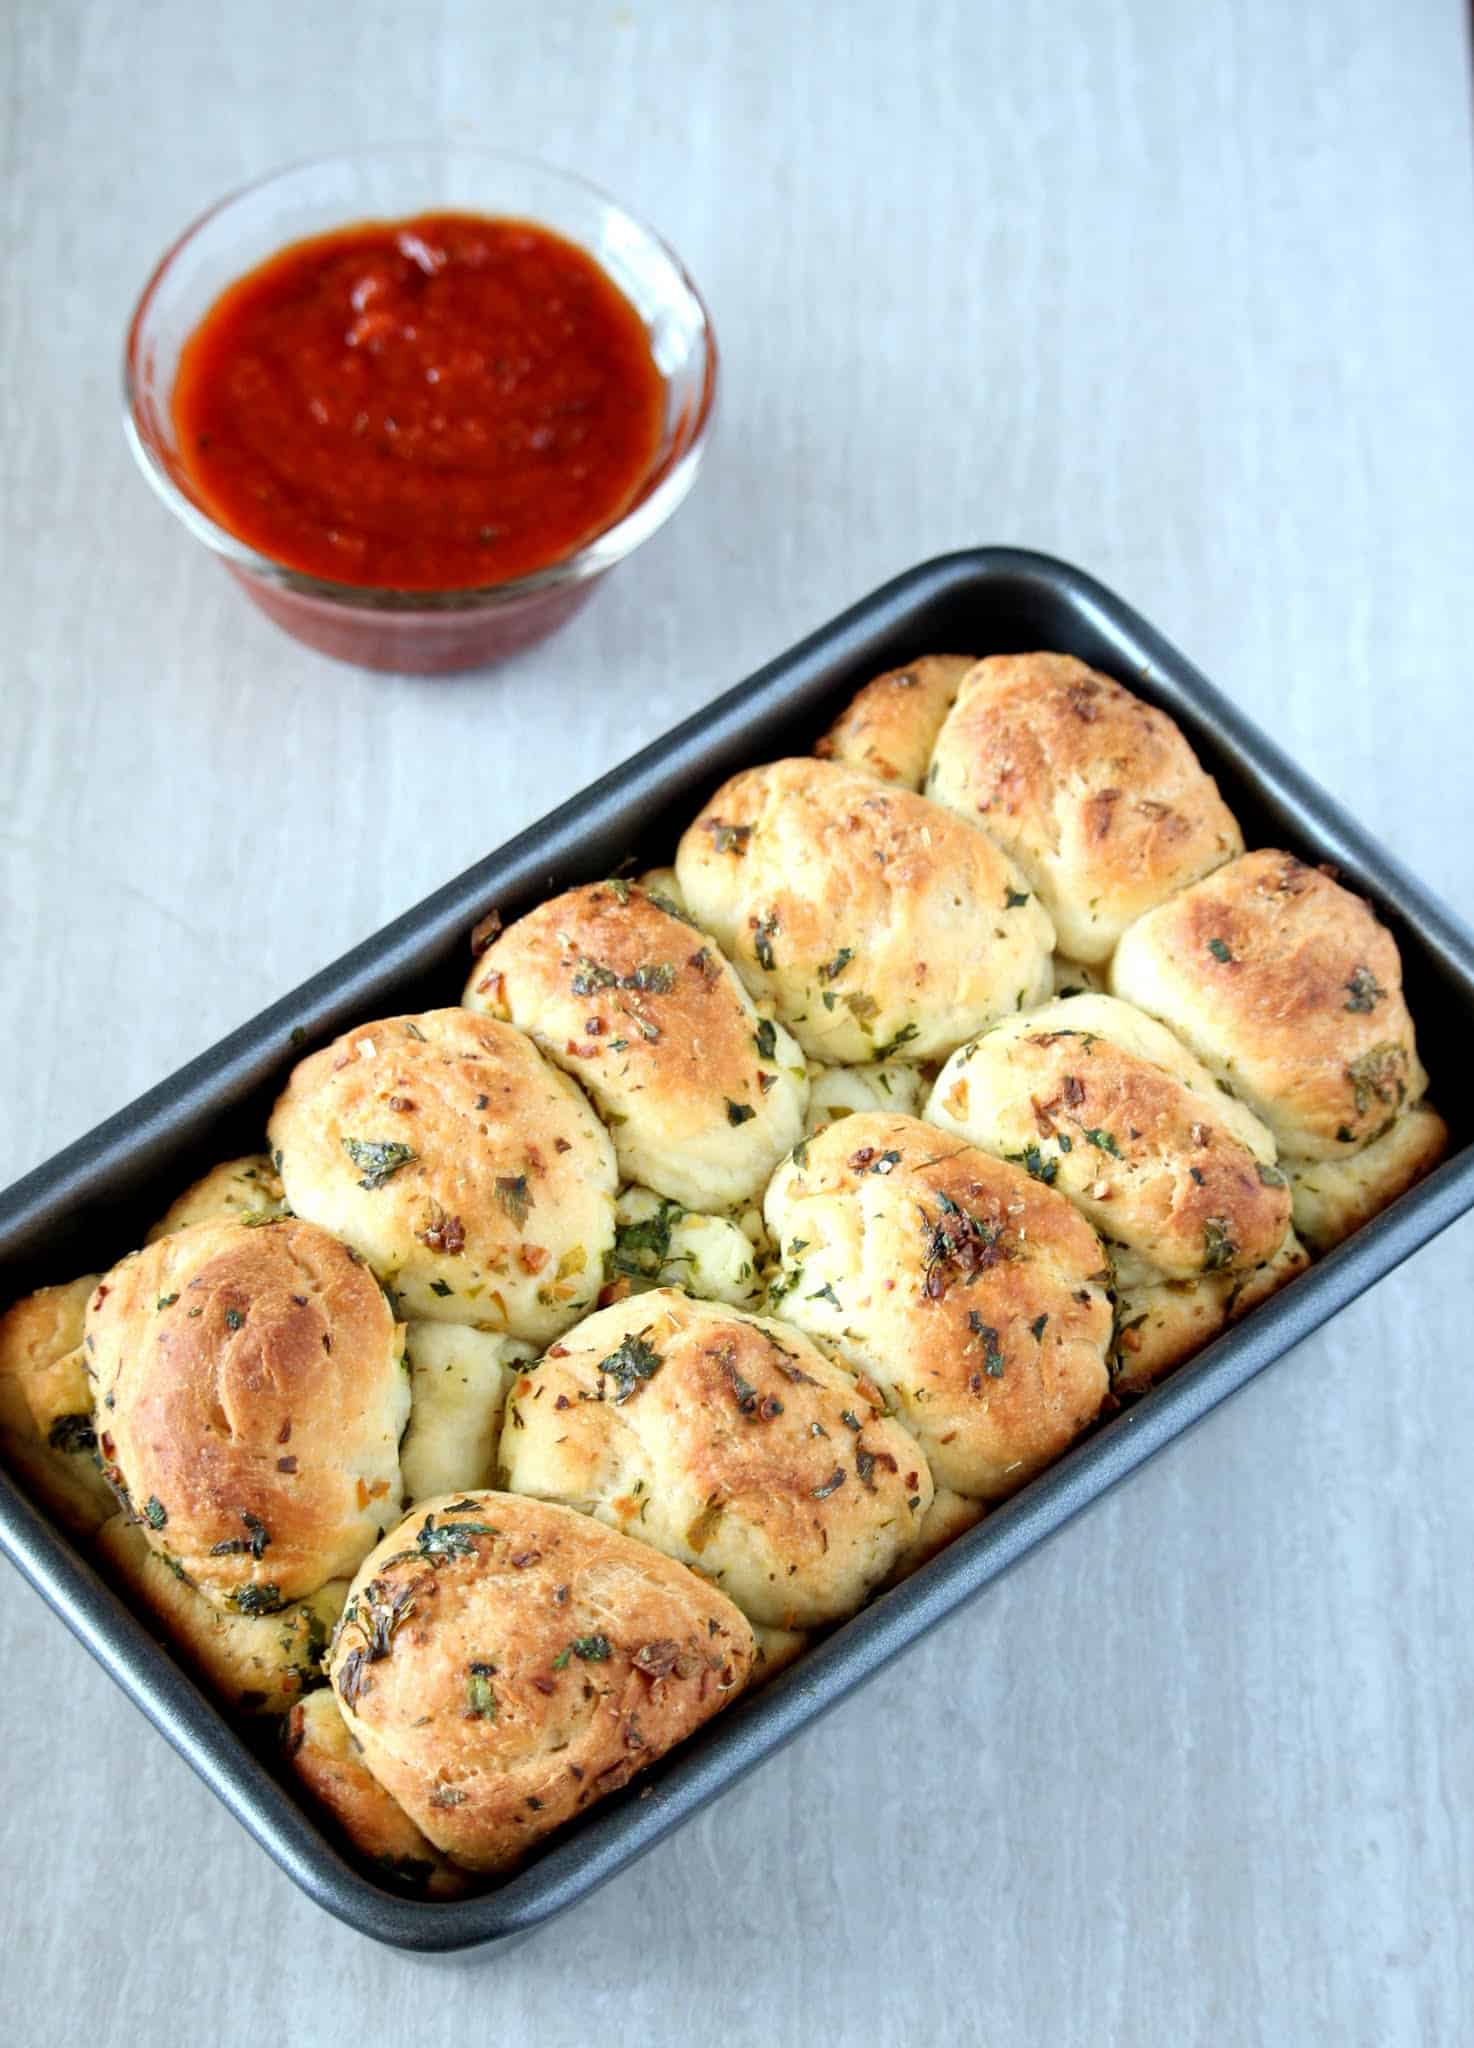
(1183, 293)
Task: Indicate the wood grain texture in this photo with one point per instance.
(1183, 293)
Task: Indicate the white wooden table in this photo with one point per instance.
(1183, 293)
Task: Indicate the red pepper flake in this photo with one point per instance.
(284, 1434)
(524, 1558)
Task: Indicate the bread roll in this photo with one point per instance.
(950, 1515)
(250, 1399)
(48, 1436)
(245, 1190)
(729, 1442)
(839, 1091)
(459, 1379)
(875, 922)
(888, 729)
(1095, 794)
(1287, 987)
(975, 1297)
(503, 1664)
(329, 1764)
(659, 1244)
(1100, 1102)
(1160, 1324)
(255, 1663)
(471, 1174)
(704, 1096)
(1334, 1197)
(774, 1650)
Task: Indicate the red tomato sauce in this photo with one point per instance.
(429, 404)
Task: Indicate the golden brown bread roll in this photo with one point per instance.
(1102, 1103)
(327, 1761)
(47, 1432)
(459, 1379)
(1288, 988)
(1334, 1197)
(888, 729)
(774, 1650)
(950, 1515)
(703, 1094)
(250, 1399)
(975, 1297)
(1160, 1324)
(247, 1190)
(1095, 794)
(503, 1664)
(256, 1663)
(727, 1441)
(471, 1174)
(874, 921)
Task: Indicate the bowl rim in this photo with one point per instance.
(661, 492)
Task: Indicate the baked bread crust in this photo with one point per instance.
(888, 728)
(1286, 986)
(250, 1401)
(1099, 1101)
(728, 1441)
(467, 1169)
(974, 1297)
(703, 1094)
(504, 1663)
(1096, 794)
(873, 920)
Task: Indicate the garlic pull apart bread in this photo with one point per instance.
(503, 1663)
(1095, 794)
(704, 1095)
(459, 1378)
(839, 1091)
(659, 1244)
(976, 1298)
(250, 1399)
(889, 728)
(245, 1190)
(875, 922)
(258, 1663)
(469, 1171)
(47, 1430)
(1290, 990)
(1102, 1103)
(728, 1441)
(327, 1761)
(1334, 1197)
(1160, 1324)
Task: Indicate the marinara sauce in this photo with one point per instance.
(429, 404)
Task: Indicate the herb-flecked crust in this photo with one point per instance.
(974, 1296)
(505, 1663)
(703, 1095)
(1298, 1008)
(723, 1453)
(1095, 793)
(470, 1173)
(249, 1384)
(875, 922)
(1102, 1103)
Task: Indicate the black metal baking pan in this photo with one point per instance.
(93, 1201)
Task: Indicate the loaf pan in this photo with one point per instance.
(94, 1200)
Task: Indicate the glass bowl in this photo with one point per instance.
(419, 632)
